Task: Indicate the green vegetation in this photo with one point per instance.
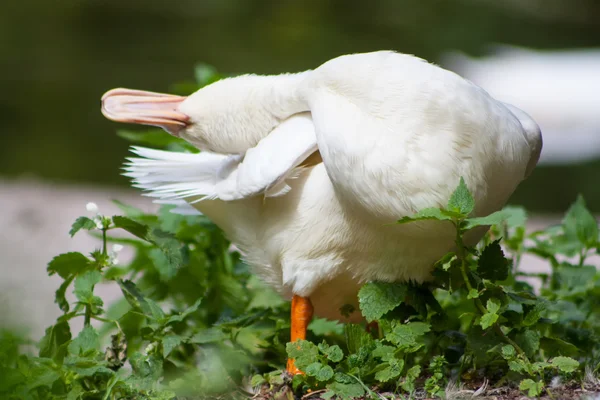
(194, 323)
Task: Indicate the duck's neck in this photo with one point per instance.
(239, 112)
(282, 94)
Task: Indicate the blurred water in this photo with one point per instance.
(559, 89)
(57, 58)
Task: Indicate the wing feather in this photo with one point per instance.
(263, 170)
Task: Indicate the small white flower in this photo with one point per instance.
(91, 207)
(99, 223)
(149, 348)
(117, 247)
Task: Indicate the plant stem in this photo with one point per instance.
(509, 340)
(104, 249)
(463, 269)
(113, 321)
(582, 257)
(463, 266)
(88, 315)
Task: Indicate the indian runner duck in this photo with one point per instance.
(305, 172)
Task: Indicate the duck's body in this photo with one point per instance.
(323, 161)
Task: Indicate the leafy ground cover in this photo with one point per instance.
(194, 323)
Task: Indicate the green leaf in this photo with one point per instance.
(334, 353)
(165, 267)
(391, 371)
(324, 327)
(170, 247)
(82, 223)
(84, 286)
(257, 380)
(313, 369)
(148, 367)
(518, 365)
(135, 298)
(516, 216)
(508, 352)
(156, 313)
(493, 306)
(434, 214)
(60, 295)
(356, 338)
(565, 364)
(52, 344)
(473, 294)
(76, 392)
(324, 374)
(87, 340)
(539, 366)
(461, 200)
(377, 298)
(575, 280)
(407, 336)
(41, 376)
(169, 342)
(411, 376)
(384, 352)
(266, 297)
(86, 366)
(209, 335)
(579, 224)
(490, 318)
(493, 219)
(534, 315)
(135, 228)
(303, 352)
(68, 264)
(492, 264)
(533, 388)
(529, 341)
(555, 346)
(480, 342)
(132, 294)
(346, 391)
(190, 310)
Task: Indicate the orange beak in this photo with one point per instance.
(148, 108)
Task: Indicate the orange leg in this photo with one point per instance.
(302, 313)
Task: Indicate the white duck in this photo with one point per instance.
(303, 171)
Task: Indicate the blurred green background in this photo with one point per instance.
(58, 58)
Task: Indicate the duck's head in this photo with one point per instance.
(228, 116)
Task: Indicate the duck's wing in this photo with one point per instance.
(265, 167)
(262, 170)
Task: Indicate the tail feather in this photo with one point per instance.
(174, 176)
(196, 184)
